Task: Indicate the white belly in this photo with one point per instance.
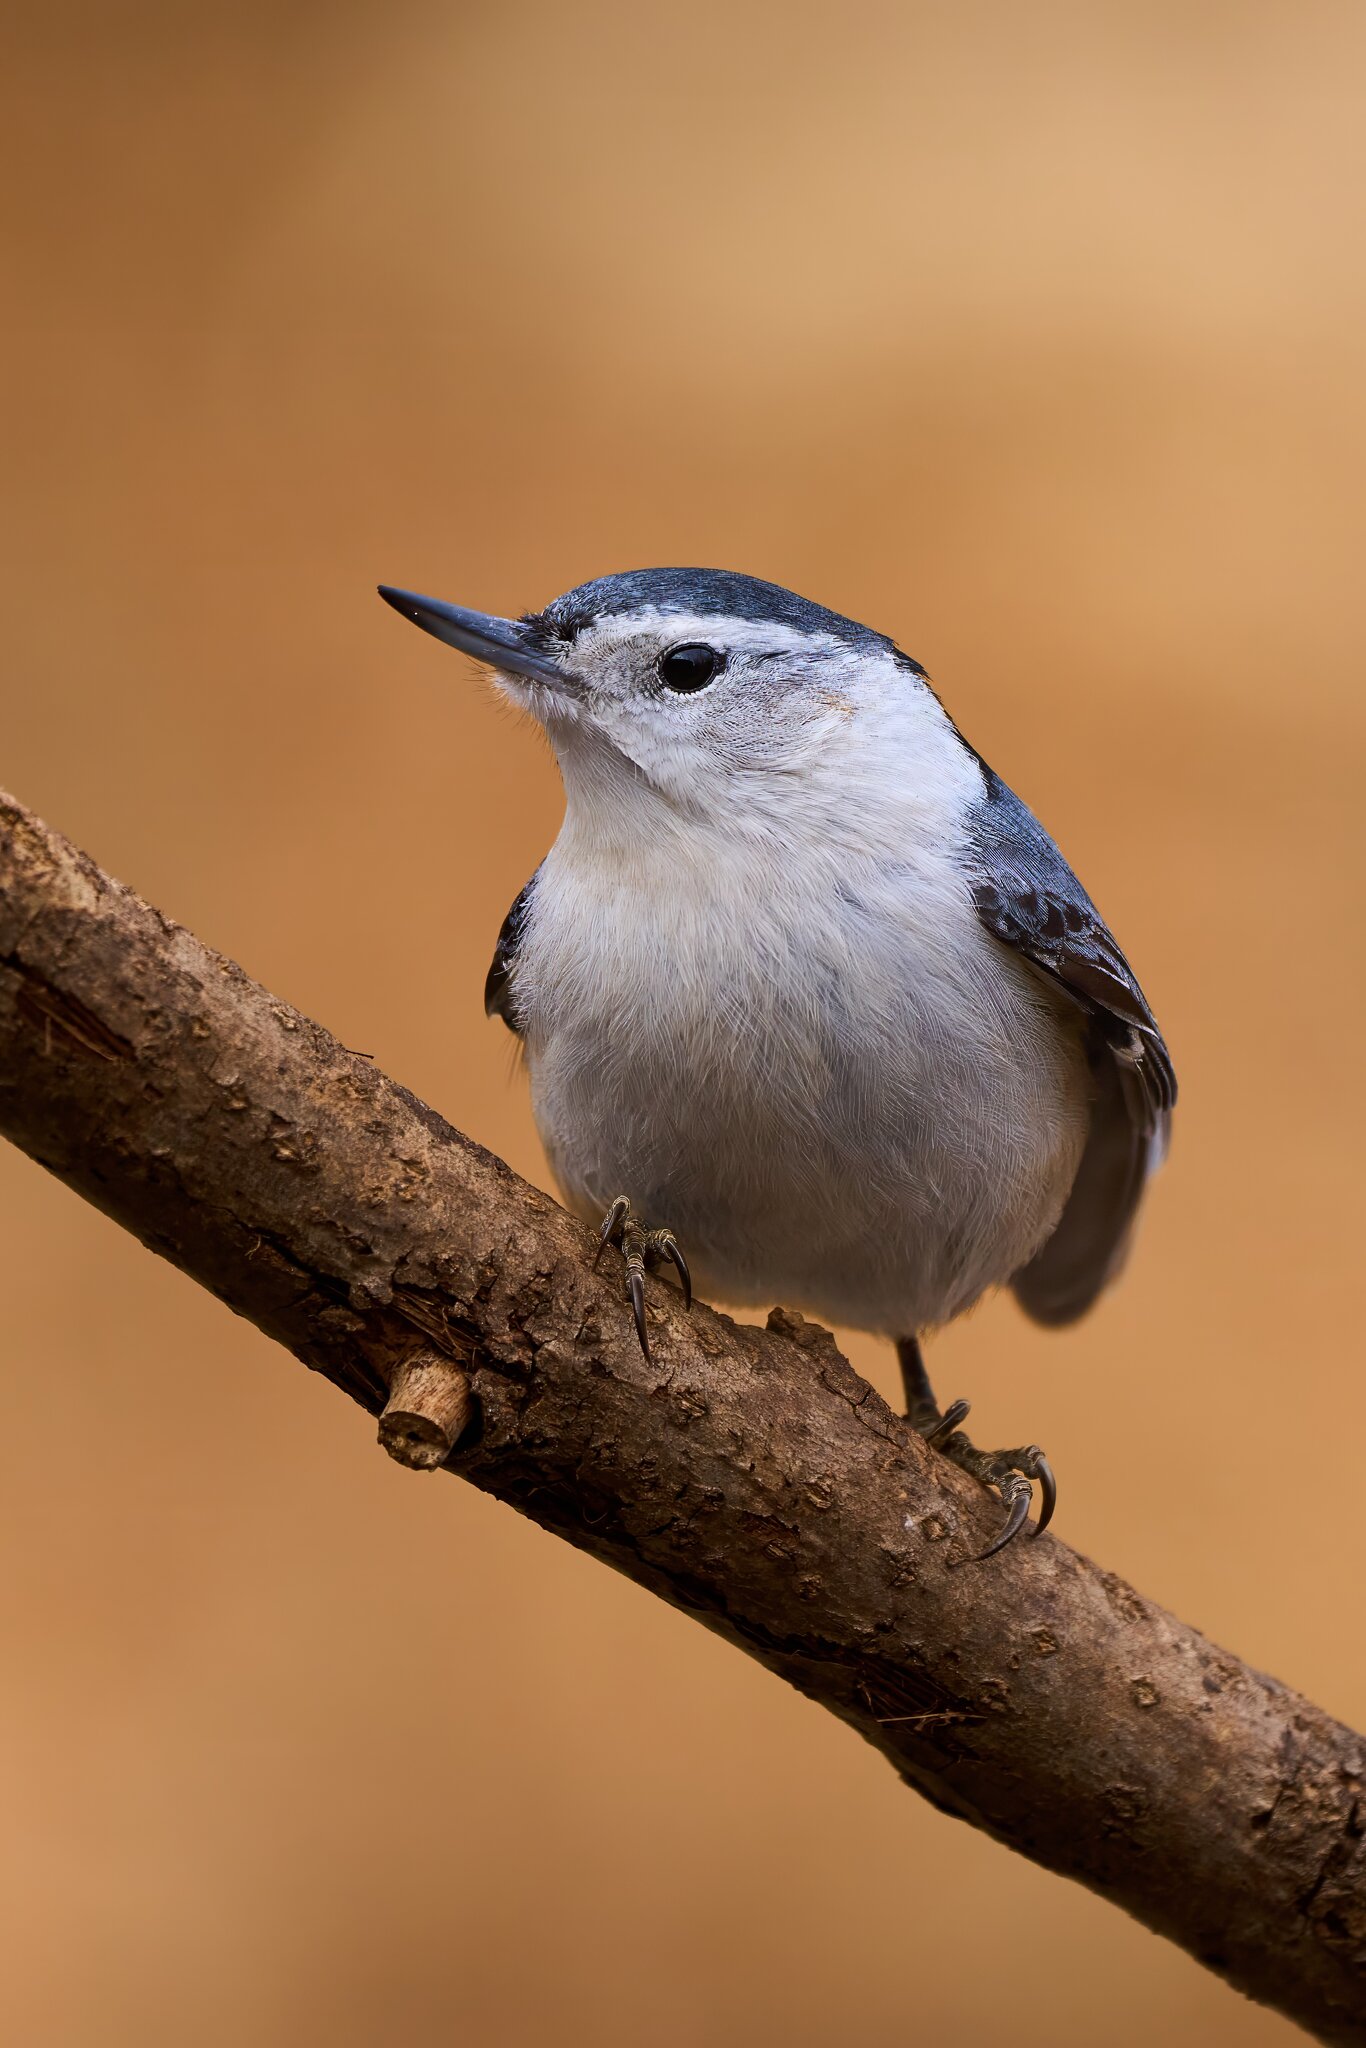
(843, 1096)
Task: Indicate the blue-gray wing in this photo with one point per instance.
(1028, 897)
(500, 994)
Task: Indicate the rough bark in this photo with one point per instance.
(747, 1476)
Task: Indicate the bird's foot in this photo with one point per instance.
(1009, 1472)
(620, 1227)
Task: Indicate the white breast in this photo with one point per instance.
(809, 1060)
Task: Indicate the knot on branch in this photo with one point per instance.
(429, 1404)
(806, 1335)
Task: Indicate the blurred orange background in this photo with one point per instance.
(1031, 335)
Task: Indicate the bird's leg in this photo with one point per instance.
(620, 1227)
(1009, 1472)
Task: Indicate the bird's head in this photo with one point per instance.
(712, 691)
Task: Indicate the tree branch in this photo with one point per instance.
(747, 1476)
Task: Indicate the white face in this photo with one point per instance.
(714, 713)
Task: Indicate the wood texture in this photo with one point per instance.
(747, 1476)
(429, 1406)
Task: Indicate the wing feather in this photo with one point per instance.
(1028, 898)
(499, 991)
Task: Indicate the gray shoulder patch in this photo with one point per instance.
(1028, 897)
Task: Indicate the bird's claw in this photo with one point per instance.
(1016, 1494)
(1011, 1473)
(1048, 1488)
(611, 1225)
(956, 1412)
(666, 1244)
(619, 1226)
(635, 1287)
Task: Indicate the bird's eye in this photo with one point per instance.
(688, 668)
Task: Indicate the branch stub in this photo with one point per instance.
(429, 1405)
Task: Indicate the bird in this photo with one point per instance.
(813, 1008)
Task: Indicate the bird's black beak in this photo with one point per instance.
(505, 644)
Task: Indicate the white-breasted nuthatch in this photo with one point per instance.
(804, 987)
